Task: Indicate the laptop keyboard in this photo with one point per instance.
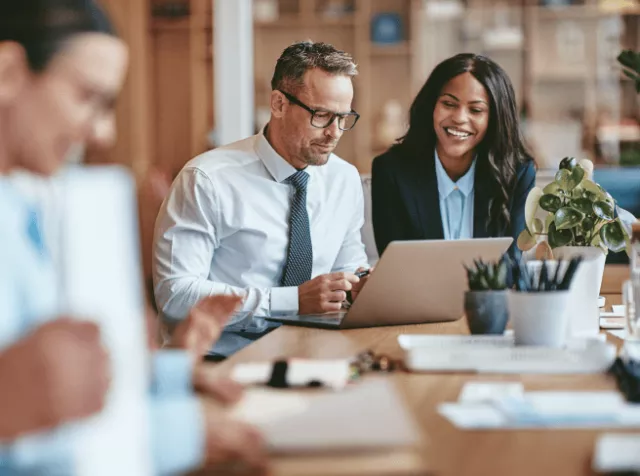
(319, 320)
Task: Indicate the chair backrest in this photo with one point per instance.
(366, 231)
(623, 183)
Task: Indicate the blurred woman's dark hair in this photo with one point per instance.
(503, 146)
(43, 26)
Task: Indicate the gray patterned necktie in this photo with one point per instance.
(297, 269)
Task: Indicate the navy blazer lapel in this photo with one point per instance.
(427, 199)
(482, 196)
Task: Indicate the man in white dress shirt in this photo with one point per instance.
(276, 217)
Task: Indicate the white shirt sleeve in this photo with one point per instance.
(352, 253)
(186, 238)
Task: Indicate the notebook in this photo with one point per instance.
(368, 416)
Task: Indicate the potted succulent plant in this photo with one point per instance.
(485, 303)
(574, 216)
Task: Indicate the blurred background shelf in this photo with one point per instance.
(562, 62)
(401, 49)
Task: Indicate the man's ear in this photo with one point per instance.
(14, 70)
(278, 104)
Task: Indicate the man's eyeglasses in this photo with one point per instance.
(323, 119)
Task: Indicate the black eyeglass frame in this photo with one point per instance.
(294, 100)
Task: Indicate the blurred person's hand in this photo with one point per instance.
(231, 442)
(152, 327)
(56, 374)
(204, 324)
(222, 389)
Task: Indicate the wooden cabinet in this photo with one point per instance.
(134, 123)
(181, 86)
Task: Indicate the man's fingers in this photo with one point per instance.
(337, 296)
(341, 285)
(352, 278)
(86, 330)
(331, 306)
(244, 443)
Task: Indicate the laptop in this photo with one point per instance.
(415, 282)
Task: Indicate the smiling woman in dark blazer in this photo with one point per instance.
(462, 170)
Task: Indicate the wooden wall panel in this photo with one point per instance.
(133, 147)
(200, 88)
(172, 96)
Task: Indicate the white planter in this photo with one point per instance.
(583, 311)
(539, 319)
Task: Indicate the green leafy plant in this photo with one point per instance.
(630, 61)
(630, 157)
(490, 276)
(579, 212)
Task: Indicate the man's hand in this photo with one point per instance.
(58, 373)
(231, 442)
(202, 327)
(222, 389)
(325, 293)
(359, 285)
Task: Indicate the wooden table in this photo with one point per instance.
(445, 450)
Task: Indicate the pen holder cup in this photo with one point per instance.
(584, 315)
(539, 318)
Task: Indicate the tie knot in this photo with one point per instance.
(299, 180)
(457, 193)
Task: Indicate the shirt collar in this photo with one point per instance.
(276, 165)
(446, 185)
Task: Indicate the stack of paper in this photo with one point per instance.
(499, 354)
(612, 320)
(617, 453)
(489, 405)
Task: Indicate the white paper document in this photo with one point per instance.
(491, 405)
(483, 392)
(612, 320)
(617, 452)
(617, 311)
(333, 373)
(611, 323)
(620, 334)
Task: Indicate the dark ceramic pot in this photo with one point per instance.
(486, 311)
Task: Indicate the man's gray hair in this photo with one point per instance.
(301, 57)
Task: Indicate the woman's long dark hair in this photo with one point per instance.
(43, 26)
(503, 146)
